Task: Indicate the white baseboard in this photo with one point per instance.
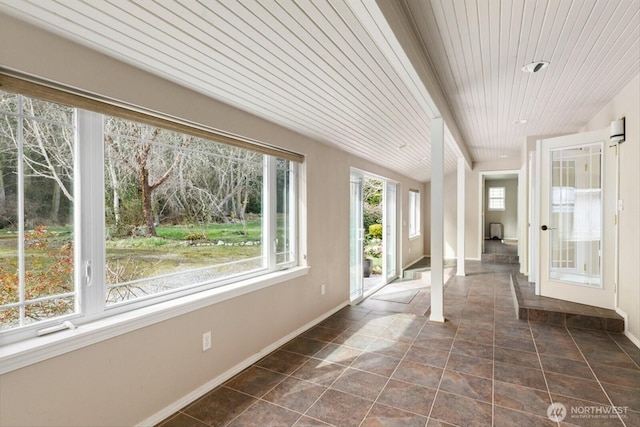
(632, 338)
(628, 334)
(220, 379)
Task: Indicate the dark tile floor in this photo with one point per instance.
(500, 252)
(565, 313)
(483, 367)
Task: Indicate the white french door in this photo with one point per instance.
(356, 239)
(577, 208)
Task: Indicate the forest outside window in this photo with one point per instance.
(100, 214)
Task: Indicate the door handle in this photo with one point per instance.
(545, 228)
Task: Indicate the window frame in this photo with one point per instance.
(414, 213)
(89, 231)
(502, 198)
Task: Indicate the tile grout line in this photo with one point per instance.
(493, 370)
(594, 373)
(544, 375)
(452, 277)
(260, 399)
(394, 371)
(339, 376)
(623, 349)
(541, 369)
(328, 387)
(433, 404)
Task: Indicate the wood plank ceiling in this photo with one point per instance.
(314, 67)
(477, 48)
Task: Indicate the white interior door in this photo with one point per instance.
(390, 227)
(577, 210)
(356, 239)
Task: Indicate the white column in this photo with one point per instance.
(461, 217)
(437, 219)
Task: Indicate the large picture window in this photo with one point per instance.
(100, 213)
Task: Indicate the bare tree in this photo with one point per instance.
(47, 143)
(150, 153)
(219, 182)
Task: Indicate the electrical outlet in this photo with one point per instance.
(206, 341)
(323, 289)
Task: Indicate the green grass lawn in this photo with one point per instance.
(230, 232)
(174, 248)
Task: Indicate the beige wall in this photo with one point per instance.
(627, 103)
(126, 379)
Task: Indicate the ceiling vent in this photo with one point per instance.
(534, 67)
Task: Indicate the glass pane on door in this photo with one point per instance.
(356, 238)
(576, 214)
(390, 227)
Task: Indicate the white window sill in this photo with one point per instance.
(24, 353)
(414, 237)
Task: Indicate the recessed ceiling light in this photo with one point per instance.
(535, 66)
(520, 121)
(503, 156)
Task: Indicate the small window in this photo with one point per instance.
(496, 199)
(414, 213)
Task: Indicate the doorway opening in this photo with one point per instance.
(499, 228)
(373, 234)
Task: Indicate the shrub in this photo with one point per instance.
(372, 214)
(195, 236)
(375, 230)
(49, 272)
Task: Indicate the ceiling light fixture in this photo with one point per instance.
(535, 66)
(520, 121)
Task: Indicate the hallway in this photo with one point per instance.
(482, 367)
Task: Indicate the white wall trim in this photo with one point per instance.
(481, 184)
(628, 334)
(632, 338)
(460, 232)
(220, 379)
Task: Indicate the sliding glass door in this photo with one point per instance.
(356, 238)
(390, 227)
